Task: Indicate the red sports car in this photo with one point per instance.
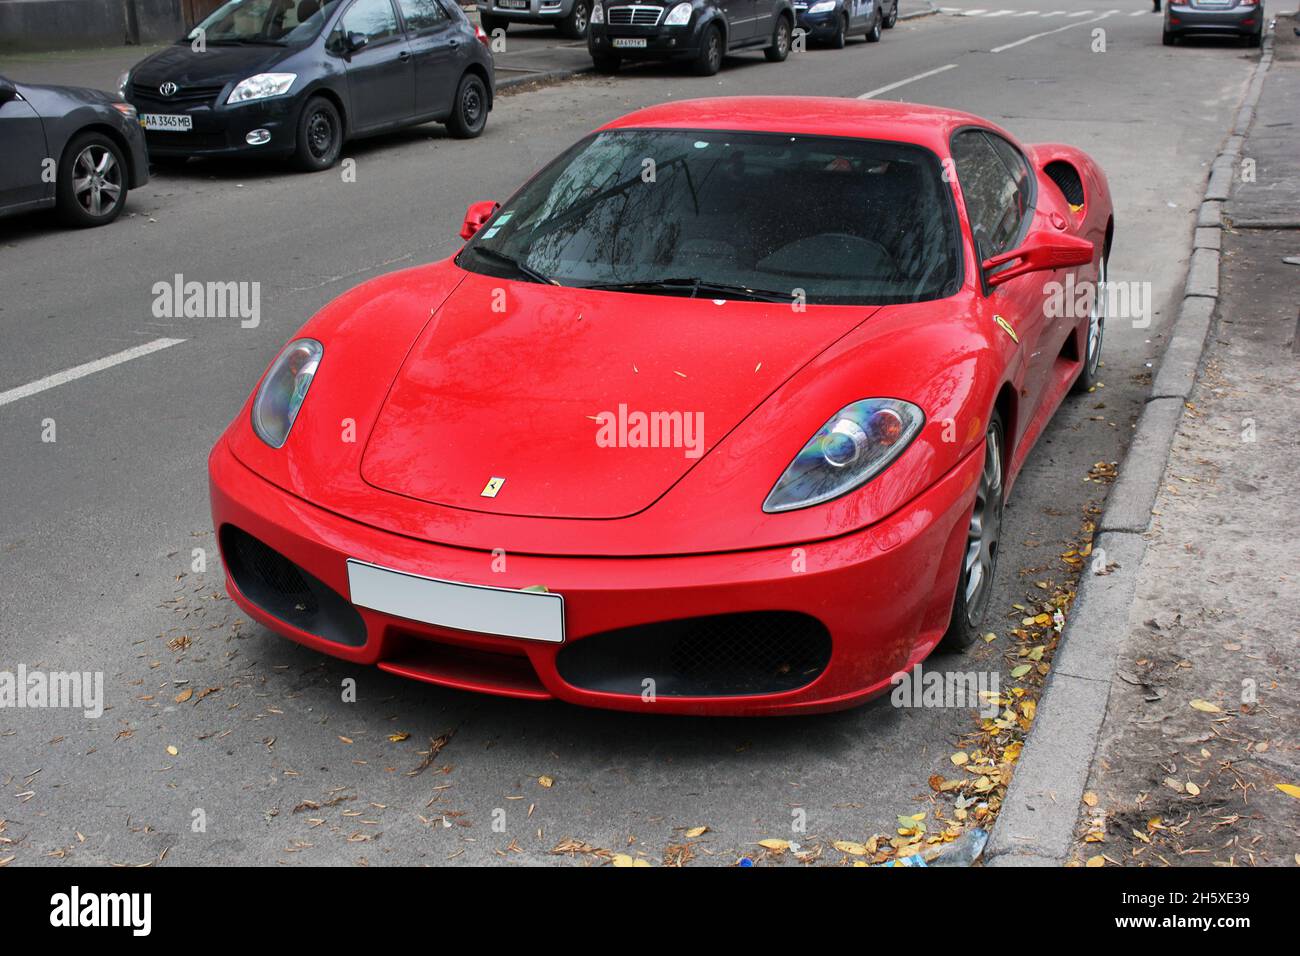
(716, 415)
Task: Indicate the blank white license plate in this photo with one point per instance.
(630, 43)
(530, 615)
(513, 4)
(166, 122)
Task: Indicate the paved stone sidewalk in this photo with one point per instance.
(1203, 720)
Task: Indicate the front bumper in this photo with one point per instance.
(536, 12)
(883, 596)
(1241, 21)
(219, 130)
(661, 42)
(818, 26)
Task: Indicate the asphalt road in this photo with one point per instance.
(97, 528)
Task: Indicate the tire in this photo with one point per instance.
(1255, 40)
(892, 18)
(1096, 335)
(470, 109)
(575, 25)
(873, 31)
(490, 23)
(842, 35)
(1168, 39)
(606, 64)
(979, 559)
(780, 48)
(91, 181)
(709, 60)
(320, 136)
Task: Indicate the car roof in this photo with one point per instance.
(928, 126)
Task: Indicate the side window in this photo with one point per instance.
(995, 203)
(421, 15)
(373, 18)
(1018, 166)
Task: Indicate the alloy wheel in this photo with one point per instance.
(984, 532)
(97, 180)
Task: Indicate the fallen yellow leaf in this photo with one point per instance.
(777, 846)
(546, 782)
(172, 750)
(1090, 798)
(846, 846)
(184, 695)
(1290, 789)
(1207, 707)
(694, 832)
(1095, 861)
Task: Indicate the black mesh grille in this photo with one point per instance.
(274, 571)
(1067, 180)
(285, 591)
(723, 655)
(150, 96)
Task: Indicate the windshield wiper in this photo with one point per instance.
(695, 286)
(526, 271)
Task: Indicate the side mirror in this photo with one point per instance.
(7, 90)
(477, 214)
(355, 41)
(1042, 251)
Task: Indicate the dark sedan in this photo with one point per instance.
(297, 78)
(1242, 18)
(700, 32)
(834, 21)
(80, 151)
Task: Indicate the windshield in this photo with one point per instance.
(264, 21)
(731, 215)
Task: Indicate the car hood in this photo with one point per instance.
(547, 387)
(51, 101)
(218, 64)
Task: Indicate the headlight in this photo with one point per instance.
(678, 15)
(283, 390)
(261, 86)
(597, 13)
(854, 446)
(822, 6)
(122, 83)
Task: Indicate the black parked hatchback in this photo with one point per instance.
(299, 77)
(698, 31)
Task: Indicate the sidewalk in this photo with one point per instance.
(1203, 718)
(531, 54)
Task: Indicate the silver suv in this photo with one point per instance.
(570, 17)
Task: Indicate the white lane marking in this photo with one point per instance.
(1046, 33)
(1054, 13)
(81, 371)
(976, 12)
(1078, 13)
(999, 13)
(910, 79)
(1027, 13)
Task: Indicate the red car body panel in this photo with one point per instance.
(424, 392)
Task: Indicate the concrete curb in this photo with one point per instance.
(1036, 825)
(544, 76)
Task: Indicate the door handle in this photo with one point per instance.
(404, 55)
